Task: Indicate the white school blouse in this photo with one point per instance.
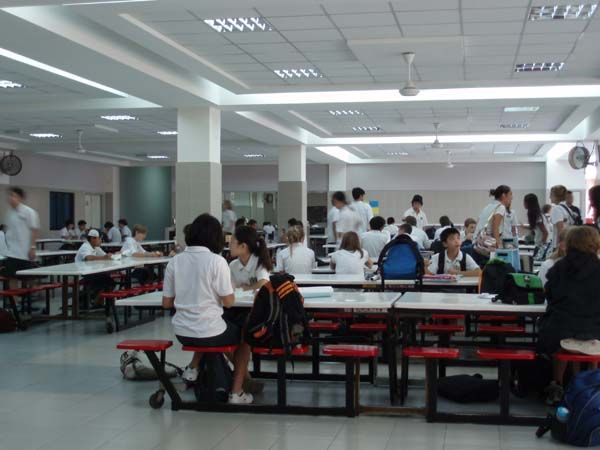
(373, 242)
(249, 274)
(349, 262)
(296, 259)
(131, 247)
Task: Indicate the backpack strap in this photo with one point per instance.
(441, 262)
(463, 262)
(570, 213)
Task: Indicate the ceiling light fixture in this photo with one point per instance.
(254, 155)
(366, 129)
(539, 67)
(239, 24)
(7, 84)
(345, 112)
(504, 152)
(121, 117)
(298, 73)
(105, 2)
(45, 135)
(521, 109)
(397, 153)
(157, 157)
(515, 126)
(63, 73)
(167, 133)
(562, 12)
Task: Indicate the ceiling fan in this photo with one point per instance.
(409, 89)
(437, 145)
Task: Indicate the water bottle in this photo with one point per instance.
(562, 414)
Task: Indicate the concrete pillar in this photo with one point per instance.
(116, 194)
(292, 200)
(198, 174)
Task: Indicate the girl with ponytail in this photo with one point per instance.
(296, 258)
(250, 270)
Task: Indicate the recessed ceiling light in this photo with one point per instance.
(515, 126)
(167, 133)
(397, 153)
(45, 135)
(6, 84)
(521, 108)
(104, 2)
(119, 117)
(345, 112)
(239, 24)
(157, 157)
(562, 12)
(366, 129)
(254, 155)
(539, 67)
(504, 152)
(298, 73)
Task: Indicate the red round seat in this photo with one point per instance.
(506, 354)
(368, 327)
(431, 352)
(152, 345)
(490, 318)
(501, 329)
(44, 287)
(447, 316)
(351, 351)
(296, 351)
(324, 326)
(223, 349)
(113, 295)
(17, 292)
(575, 357)
(332, 315)
(440, 328)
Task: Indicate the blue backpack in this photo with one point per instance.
(582, 400)
(400, 259)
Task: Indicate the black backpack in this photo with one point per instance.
(494, 275)
(278, 319)
(437, 247)
(215, 379)
(7, 321)
(468, 389)
(575, 217)
(442, 263)
(521, 289)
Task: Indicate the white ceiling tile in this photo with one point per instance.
(428, 17)
(487, 50)
(371, 32)
(489, 60)
(555, 26)
(364, 20)
(422, 5)
(475, 28)
(268, 48)
(312, 35)
(556, 48)
(494, 15)
(291, 9)
(208, 10)
(431, 30)
(322, 46)
(550, 38)
(355, 6)
(339, 65)
(256, 38)
(181, 26)
(200, 39)
(353, 79)
(243, 67)
(287, 58)
(326, 56)
(300, 22)
(494, 3)
(163, 14)
(228, 49)
(492, 39)
(236, 59)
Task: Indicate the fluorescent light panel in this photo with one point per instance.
(121, 117)
(539, 67)
(56, 71)
(106, 2)
(397, 153)
(521, 109)
(504, 152)
(345, 112)
(298, 73)
(515, 126)
(7, 84)
(366, 129)
(239, 24)
(167, 133)
(157, 157)
(254, 155)
(45, 135)
(562, 12)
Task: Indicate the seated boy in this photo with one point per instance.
(133, 247)
(91, 251)
(452, 261)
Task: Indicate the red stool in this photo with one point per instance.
(448, 317)
(316, 330)
(352, 355)
(444, 332)
(332, 315)
(47, 288)
(499, 333)
(371, 329)
(10, 294)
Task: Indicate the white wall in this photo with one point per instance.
(256, 178)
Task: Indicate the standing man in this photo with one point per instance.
(348, 219)
(364, 210)
(229, 217)
(22, 231)
(332, 218)
(416, 211)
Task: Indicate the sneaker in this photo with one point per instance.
(190, 374)
(253, 386)
(242, 398)
(554, 394)
(589, 347)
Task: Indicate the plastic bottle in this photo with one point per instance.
(562, 414)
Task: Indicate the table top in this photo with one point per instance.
(92, 267)
(321, 279)
(317, 236)
(120, 244)
(50, 253)
(48, 240)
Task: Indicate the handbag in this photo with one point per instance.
(484, 243)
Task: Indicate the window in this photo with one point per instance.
(61, 209)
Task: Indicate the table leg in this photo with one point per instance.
(65, 297)
(75, 305)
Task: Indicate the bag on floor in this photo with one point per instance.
(468, 389)
(8, 323)
(277, 318)
(133, 368)
(522, 289)
(215, 379)
(494, 275)
(582, 401)
(531, 377)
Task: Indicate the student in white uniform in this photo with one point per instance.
(68, 232)
(373, 241)
(468, 233)
(538, 224)
(348, 219)
(559, 253)
(198, 285)
(491, 218)
(229, 217)
(445, 223)
(364, 210)
(112, 233)
(417, 234)
(132, 247)
(332, 218)
(416, 211)
(82, 230)
(270, 231)
(351, 258)
(3, 247)
(510, 232)
(124, 229)
(22, 230)
(407, 230)
(296, 259)
(391, 227)
(91, 251)
(560, 216)
(252, 264)
(455, 262)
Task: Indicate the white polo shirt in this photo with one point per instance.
(332, 217)
(365, 212)
(510, 221)
(197, 278)
(249, 274)
(392, 229)
(86, 249)
(438, 233)
(348, 220)
(114, 235)
(451, 263)
(131, 246)
(420, 237)
(20, 222)
(373, 242)
(229, 219)
(486, 218)
(296, 259)
(125, 232)
(559, 214)
(420, 216)
(3, 247)
(65, 233)
(349, 262)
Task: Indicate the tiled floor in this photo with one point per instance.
(61, 389)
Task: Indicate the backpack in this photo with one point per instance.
(133, 368)
(437, 247)
(214, 380)
(277, 318)
(494, 275)
(442, 263)
(7, 321)
(401, 259)
(468, 389)
(582, 400)
(576, 218)
(522, 289)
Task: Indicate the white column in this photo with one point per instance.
(116, 194)
(292, 199)
(337, 177)
(198, 175)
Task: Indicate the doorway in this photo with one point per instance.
(93, 210)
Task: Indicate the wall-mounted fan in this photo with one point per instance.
(11, 165)
(579, 157)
